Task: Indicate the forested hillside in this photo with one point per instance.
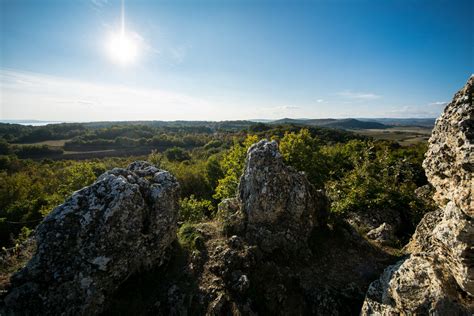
(361, 175)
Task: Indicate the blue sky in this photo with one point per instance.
(220, 60)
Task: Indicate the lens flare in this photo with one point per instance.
(122, 48)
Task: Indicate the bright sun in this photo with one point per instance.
(122, 48)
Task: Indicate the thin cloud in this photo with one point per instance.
(358, 95)
(288, 107)
(439, 103)
(54, 98)
(178, 54)
(412, 111)
(99, 3)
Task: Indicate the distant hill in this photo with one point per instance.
(422, 122)
(348, 123)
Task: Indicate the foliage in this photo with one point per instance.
(232, 166)
(189, 237)
(207, 158)
(376, 178)
(176, 154)
(302, 151)
(193, 210)
(30, 190)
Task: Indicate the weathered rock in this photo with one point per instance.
(383, 234)
(280, 206)
(88, 246)
(416, 285)
(449, 163)
(267, 254)
(438, 277)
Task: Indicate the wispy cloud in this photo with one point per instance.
(439, 103)
(99, 3)
(287, 107)
(276, 112)
(178, 54)
(358, 95)
(30, 95)
(409, 111)
(320, 100)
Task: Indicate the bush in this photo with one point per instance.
(302, 151)
(190, 238)
(194, 210)
(232, 166)
(177, 154)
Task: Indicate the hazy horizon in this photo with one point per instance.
(108, 60)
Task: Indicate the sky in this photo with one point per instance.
(95, 60)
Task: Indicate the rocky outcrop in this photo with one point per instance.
(449, 163)
(88, 246)
(280, 257)
(438, 276)
(280, 206)
(270, 253)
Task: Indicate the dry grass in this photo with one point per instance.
(404, 135)
(51, 143)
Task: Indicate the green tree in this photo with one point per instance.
(232, 165)
(177, 154)
(193, 210)
(302, 151)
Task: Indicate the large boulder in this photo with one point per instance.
(449, 163)
(280, 206)
(438, 276)
(88, 246)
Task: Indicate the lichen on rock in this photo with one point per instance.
(88, 246)
(280, 206)
(438, 276)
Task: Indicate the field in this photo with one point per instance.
(50, 143)
(404, 135)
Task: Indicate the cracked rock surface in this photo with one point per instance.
(281, 207)
(88, 246)
(438, 276)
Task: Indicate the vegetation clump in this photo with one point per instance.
(359, 174)
(190, 238)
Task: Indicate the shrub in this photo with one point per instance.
(190, 238)
(177, 154)
(232, 165)
(302, 151)
(194, 210)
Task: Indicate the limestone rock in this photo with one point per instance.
(280, 206)
(449, 163)
(89, 245)
(438, 277)
(416, 285)
(383, 234)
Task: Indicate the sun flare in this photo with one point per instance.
(122, 48)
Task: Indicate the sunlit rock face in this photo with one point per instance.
(438, 276)
(449, 163)
(280, 206)
(88, 246)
